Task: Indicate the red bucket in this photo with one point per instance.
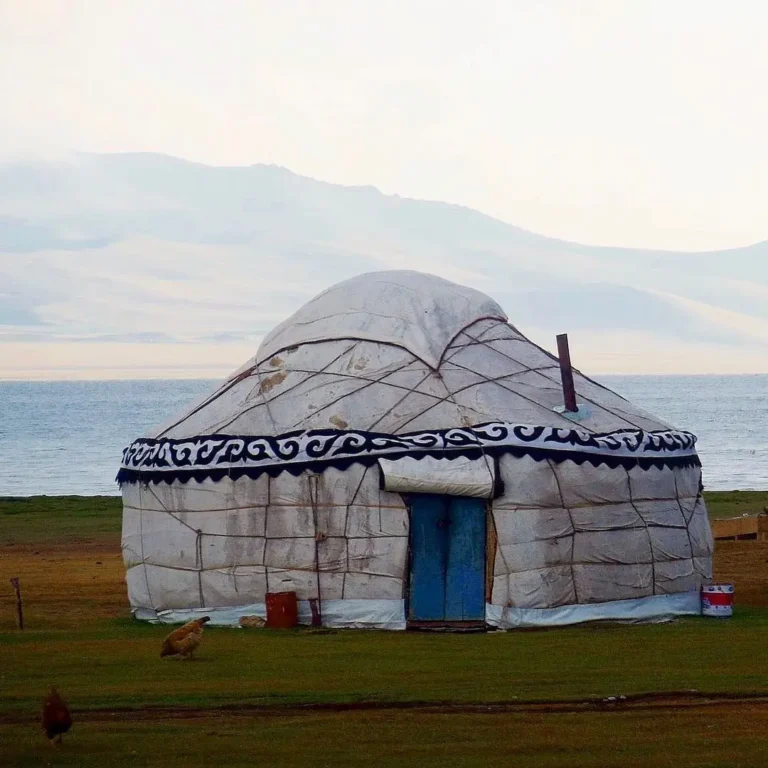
(282, 610)
(717, 600)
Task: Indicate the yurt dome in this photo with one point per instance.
(398, 454)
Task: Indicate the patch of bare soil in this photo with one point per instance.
(671, 700)
(62, 585)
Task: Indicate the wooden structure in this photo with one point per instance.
(19, 609)
(448, 560)
(744, 527)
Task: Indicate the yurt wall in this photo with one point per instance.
(335, 535)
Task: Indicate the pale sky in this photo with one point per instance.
(605, 122)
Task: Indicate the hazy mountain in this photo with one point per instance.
(148, 248)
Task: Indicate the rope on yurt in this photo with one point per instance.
(141, 539)
(313, 497)
(266, 401)
(573, 528)
(648, 530)
(542, 372)
(198, 548)
(199, 562)
(687, 520)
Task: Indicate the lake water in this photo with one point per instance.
(68, 437)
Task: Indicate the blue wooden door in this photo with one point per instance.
(447, 558)
(465, 570)
(429, 555)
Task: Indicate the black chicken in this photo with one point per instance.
(56, 718)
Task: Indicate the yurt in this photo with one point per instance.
(398, 455)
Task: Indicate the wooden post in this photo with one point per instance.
(19, 611)
(566, 373)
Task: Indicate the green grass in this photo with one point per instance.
(720, 739)
(80, 638)
(733, 503)
(267, 667)
(42, 519)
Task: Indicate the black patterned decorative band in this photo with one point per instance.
(217, 456)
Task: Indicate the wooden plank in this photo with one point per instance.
(429, 552)
(733, 527)
(491, 542)
(465, 572)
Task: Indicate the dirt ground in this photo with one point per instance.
(62, 584)
(671, 700)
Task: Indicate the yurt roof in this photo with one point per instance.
(418, 312)
(400, 351)
(402, 354)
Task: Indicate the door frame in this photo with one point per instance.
(444, 624)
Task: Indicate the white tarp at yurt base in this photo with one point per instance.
(399, 451)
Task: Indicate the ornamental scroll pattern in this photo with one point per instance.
(218, 456)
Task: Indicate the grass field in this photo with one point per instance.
(733, 503)
(346, 698)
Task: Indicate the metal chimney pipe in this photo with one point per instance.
(566, 373)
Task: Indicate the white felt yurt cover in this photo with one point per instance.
(294, 473)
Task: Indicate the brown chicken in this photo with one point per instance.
(55, 718)
(184, 640)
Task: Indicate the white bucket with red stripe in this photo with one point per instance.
(717, 600)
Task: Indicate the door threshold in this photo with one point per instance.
(447, 626)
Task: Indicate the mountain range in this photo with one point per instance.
(145, 252)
